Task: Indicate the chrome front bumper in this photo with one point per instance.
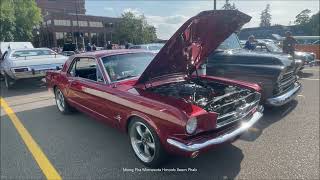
(220, 139)
(285, 98)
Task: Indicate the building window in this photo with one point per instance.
(81, 23)
(95, 24)
(60, 38)
(48, 22)
(59, 35)
(61, 22)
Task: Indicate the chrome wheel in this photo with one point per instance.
(142, 142)
(60, 100)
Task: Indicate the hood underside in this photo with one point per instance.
(193, 42)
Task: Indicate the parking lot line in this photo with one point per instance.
(47, 168)
(311, 79)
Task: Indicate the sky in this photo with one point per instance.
(167, 16)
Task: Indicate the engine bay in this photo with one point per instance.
(210, 96)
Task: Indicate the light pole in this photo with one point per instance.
(214, 4)
(38, 34)
(78, 33)
(111, 25)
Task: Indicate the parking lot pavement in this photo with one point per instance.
(284, 144)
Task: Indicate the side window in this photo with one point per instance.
(86, 68)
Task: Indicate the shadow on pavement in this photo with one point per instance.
(302, 74)
(271, 115)
(80, 147)
(23, 87)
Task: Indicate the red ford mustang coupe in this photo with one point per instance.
(164, 104)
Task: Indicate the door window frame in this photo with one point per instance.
(85, 79)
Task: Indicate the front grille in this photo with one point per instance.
(285, 83)
(238, 109)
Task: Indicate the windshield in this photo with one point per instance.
(125, 66)
(273, 47)
(232, 42)
(27, 53)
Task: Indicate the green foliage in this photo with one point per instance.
(265, 18)
(228, 6)
(312, 27)
(314, 24)
(134, 29)
(7, 21)
(18, 19)
(303, 17)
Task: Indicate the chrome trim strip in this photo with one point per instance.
(285, 98)
(220, 139)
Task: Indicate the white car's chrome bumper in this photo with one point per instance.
(32, 71)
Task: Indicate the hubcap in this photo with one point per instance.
(60, 100)
(142, 142)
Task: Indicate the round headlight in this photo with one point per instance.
(191, 125)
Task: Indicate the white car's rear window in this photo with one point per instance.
(38, 52)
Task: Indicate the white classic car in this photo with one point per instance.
(28, 63)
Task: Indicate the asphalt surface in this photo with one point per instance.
(283, 145)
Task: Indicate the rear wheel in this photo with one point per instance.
(146, 144)
(61, 102)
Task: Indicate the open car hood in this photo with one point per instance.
(193, 42)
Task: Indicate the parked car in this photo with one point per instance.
(301, 58)
(154, 47)
(68, 53)
(275, 73)
(28, 63)
(156, 100)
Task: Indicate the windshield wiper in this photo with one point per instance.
(125, 77)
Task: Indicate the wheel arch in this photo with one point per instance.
(145, 118)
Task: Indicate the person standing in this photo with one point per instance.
(288, 44)
(88, 47)
(109, 45)
(94, 47)
(251, 43)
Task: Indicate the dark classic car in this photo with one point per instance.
(301, 58)
(275, 73)
(156, 99)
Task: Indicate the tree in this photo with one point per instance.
(313, 26)
(134, 29)
(265, 18)
(28, 16)
(7, 21)
(18, 19)
(228, 6)
(303, 17)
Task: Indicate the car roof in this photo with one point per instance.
(103, 53)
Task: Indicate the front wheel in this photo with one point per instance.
(146, 144)
(61, 102)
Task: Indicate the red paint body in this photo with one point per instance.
(127, 98)
(106, 111)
